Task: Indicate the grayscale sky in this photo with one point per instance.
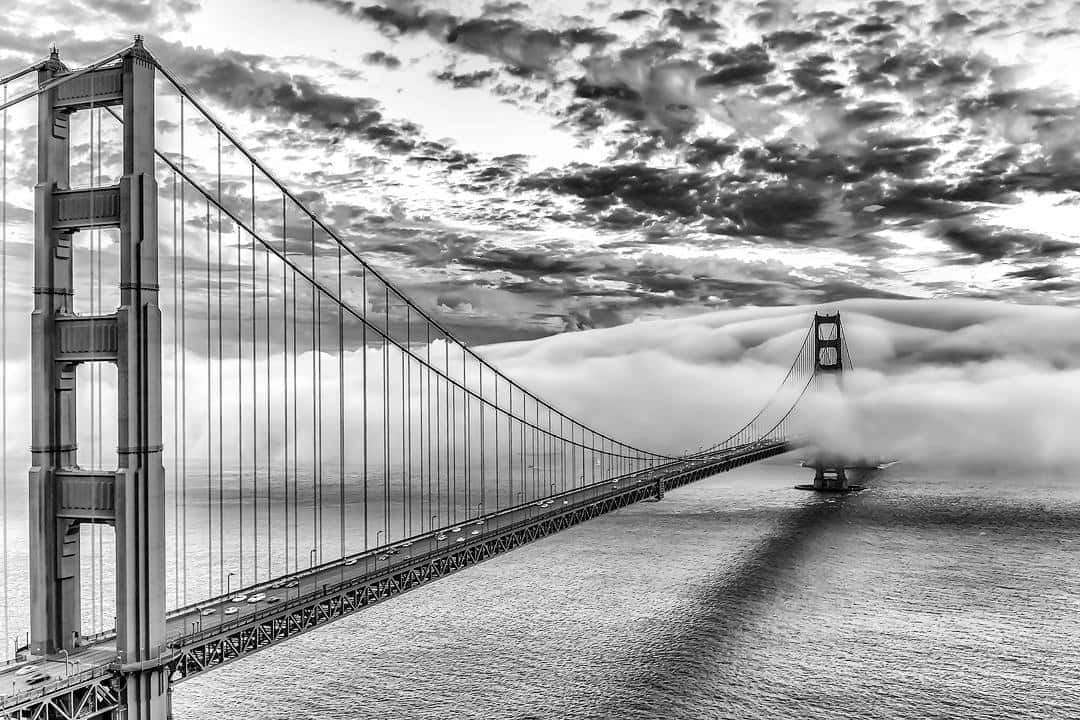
(529, 168)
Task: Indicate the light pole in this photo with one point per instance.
(228, 584)
(311, 558)
(479, 509)
(434, 524)
(380, 532)
(67, 662)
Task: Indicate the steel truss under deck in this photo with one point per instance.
(90, 694)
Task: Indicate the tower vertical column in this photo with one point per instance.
(140, 479)
(829, 469)
(827, 351)
(54, 541)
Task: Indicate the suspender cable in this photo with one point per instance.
(495, 442)
(406, 387)
(285, 375)
(295, 407)
(240, 401)
(427, 400)
(220, 392)
(176, 402)
(183, 354)
(364, 399)
(254, 397)
(406, 461)
(3, 359)
(341, 411)
(386, 418)
(269, 427)
(316, 401)
(209, 420)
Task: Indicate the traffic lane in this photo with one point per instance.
(58, 671)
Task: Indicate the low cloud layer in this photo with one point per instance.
(960, 382)
(965, 382)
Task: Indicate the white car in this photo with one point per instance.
(455, 530)
(208, 611)
(405, 544)
(441, 537)
(273, 599)
(461, 539)
(257, 597)
(475, 532)
(238, 598)
(231, 610)
(27, 670)
(352, 562)
(38, 677)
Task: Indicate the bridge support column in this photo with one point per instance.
(63, 495)
(140, 480)
(831, 475)
(55, 609)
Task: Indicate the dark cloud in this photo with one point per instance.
(689, 22)
(789, 40)
(466, 80)
(628, 15)
(1039, 272)
(982, 244)
(749, 64)
(380, 57)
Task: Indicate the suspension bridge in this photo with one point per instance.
(295, 439)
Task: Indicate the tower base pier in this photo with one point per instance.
(833, 474)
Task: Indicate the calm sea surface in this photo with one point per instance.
(929, 595)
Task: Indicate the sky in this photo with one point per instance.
(532, 168)
(687, 181)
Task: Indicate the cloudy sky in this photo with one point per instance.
(530, 168)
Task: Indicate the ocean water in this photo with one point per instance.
(933, 594)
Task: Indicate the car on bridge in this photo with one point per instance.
(37, 677)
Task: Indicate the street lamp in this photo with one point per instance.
(376, 556)
(67, 662)
(311, 558)
(228, 584)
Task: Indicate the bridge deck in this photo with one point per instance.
(314, 597)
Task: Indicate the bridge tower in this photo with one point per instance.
(829, 469)
(63, 495)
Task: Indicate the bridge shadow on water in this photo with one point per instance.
(700, 642)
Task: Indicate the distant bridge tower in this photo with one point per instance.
(829, 469)
(63, 495)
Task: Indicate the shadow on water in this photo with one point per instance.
(700, 638)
